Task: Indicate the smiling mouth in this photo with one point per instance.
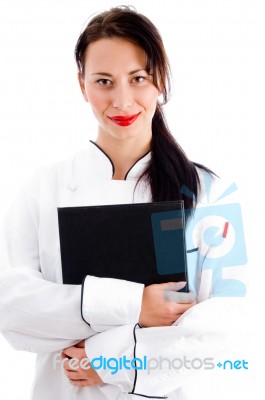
(124, 120)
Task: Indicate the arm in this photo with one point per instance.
(39, 315)
(202, 333)
(158, 309)
(108, 303)
(36, 315)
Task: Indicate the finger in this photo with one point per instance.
(69, 351)
(183, 307)
(65, 360)
(74, 352)
(179, 297)
(71, 364)
(176, 319)
(176, 308)
(72, 375)
(64, 356)
(175, 285)
(81, 383)
(80, 344)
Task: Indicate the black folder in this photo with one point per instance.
(140, 242)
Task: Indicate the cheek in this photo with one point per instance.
(97, 100)
(149, 98)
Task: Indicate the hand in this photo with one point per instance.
(74, 358)
(157, 307)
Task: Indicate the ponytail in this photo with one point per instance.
(169, 168)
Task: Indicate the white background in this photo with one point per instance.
(217, 113)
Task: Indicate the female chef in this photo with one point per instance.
(123, 73)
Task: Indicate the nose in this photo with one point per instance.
(122, 97)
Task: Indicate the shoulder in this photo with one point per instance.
(52, 176)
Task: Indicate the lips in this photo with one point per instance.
(124, 120)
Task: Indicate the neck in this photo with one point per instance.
(123, 153)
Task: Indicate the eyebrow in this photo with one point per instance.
(109, 75)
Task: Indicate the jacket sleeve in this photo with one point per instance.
(107, 303)
(166, 356)
(36, 315)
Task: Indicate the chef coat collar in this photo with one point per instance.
(98, 164)
(107, 167)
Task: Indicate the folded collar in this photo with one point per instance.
(105, 166)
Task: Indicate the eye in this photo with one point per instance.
(139, 79)
(104, 82)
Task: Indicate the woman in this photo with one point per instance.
(122, 71)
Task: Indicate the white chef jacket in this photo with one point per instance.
(39, 314)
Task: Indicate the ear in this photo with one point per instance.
(82, 85)
(160, 98)
(160, 94)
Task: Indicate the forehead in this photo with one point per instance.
(116, 53)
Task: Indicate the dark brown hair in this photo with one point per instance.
(169, 168)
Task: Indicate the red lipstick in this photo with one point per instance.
(124, 120)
